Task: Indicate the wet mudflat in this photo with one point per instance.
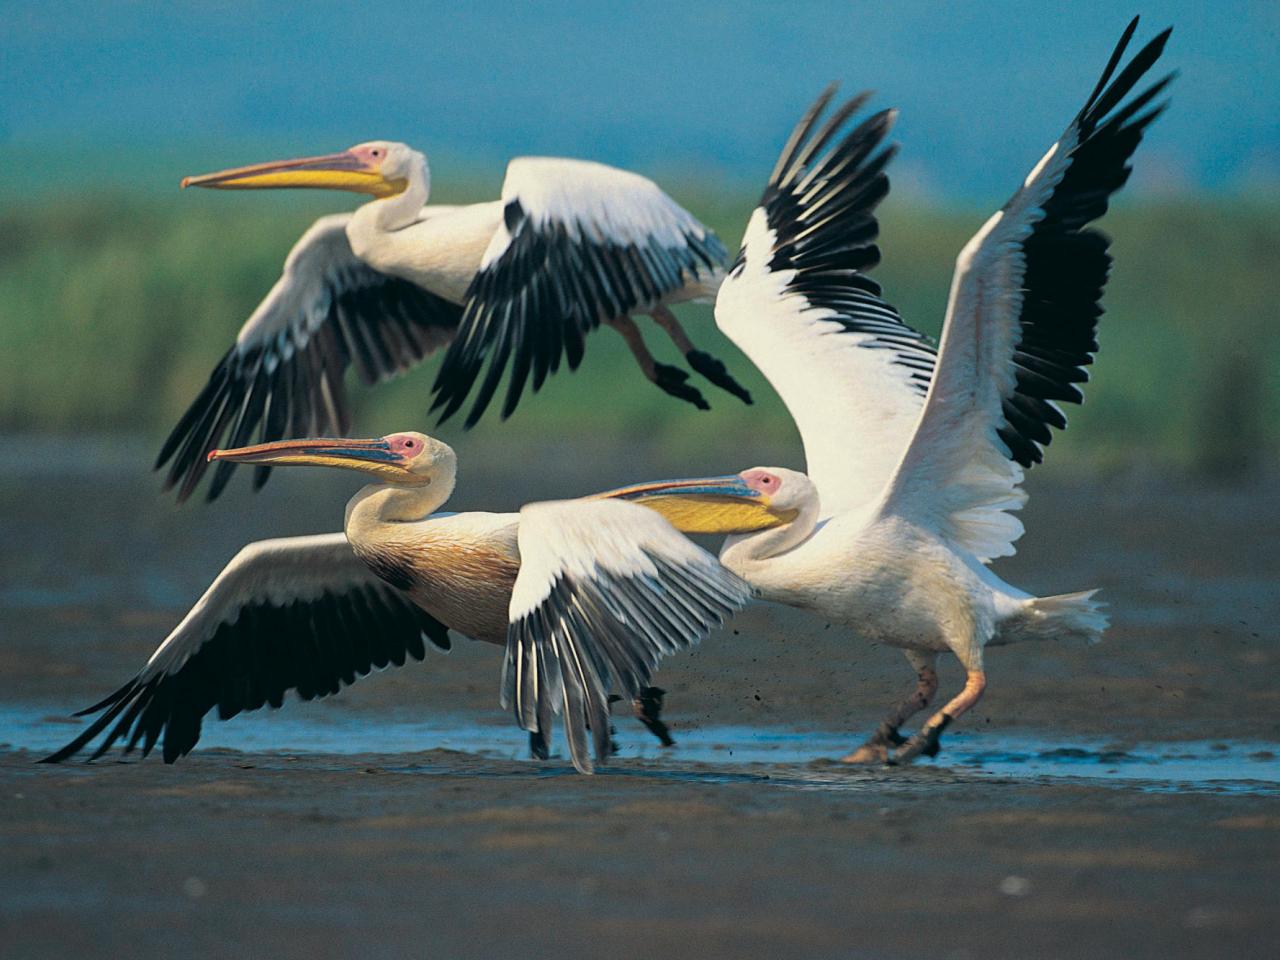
(454, 855)
(1119, 801)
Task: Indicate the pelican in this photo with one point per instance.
(914, 456)
(518, 281)
(311, 614)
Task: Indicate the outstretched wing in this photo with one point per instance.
(284, 375)
(1021, 323)
(798, 302)
(301, 614)
(581, 243)
(605, 590)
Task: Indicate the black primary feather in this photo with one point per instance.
(293, 385)
(607, 632)
(310, 647)
(821, 210)
(554, 284)
(1066, 262)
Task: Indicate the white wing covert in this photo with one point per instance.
(302, 614)
(284, 375)
(605, 590)
(798, 302)
(1021, 324)
(580, 244)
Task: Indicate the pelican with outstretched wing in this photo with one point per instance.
(516, 283)
(915, 456)
(556, 583)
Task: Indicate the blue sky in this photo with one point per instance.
(706, 87)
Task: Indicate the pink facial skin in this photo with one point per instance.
(762, 481)
(371, 156)
(408, 447)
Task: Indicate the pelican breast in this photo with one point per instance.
(460, 572)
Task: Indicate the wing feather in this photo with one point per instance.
(1021, 323)
(284, 375)
(301, 614)
(798, 302)
(605, 590)
(580, 244)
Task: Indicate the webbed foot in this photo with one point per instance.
(648, 710)
(672, 380)
(715, 371)
(926, 743)
(876, 749)
(538, 745)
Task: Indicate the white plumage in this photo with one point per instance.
(852, 380)
(596, 203)
(915, 506)
(515, 283)
(309, 615)
(605, 589)
(915, 458)
(271, 572)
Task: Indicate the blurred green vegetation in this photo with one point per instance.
(114, 308)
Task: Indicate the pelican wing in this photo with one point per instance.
(580, 244)
(1021, 322)
(302, 614)
(284, 375)
(605, 590)
(798, 302)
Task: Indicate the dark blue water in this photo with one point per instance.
(727, 751)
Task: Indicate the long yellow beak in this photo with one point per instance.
(707, 504)
(334, 171)
(374, 457)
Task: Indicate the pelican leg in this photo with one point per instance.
(538, 746)
(886, 737)
(648, 710)
(926, 742)
(669, 379)
(701, 361)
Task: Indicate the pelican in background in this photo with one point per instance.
(915, 457)
(518, 282)
(310, 614)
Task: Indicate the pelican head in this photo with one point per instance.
(381, 168)
(756, 499)
(399, 459)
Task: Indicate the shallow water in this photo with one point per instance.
(721, 751)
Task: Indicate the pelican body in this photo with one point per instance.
(516, 283)
(916, 454)
(552, 583)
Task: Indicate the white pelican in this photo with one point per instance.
(519, 281)
(310, 614)
(915, 458)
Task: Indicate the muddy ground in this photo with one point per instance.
(443, 854)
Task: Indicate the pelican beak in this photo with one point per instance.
(374, 457)
(336, 171)
(707, 505)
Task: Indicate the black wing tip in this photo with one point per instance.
(803, 132)
(63, 754)
(110, 700)
(1107, 93)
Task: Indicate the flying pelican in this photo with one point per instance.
(518, 281)
(310, 614)
(915, 457)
